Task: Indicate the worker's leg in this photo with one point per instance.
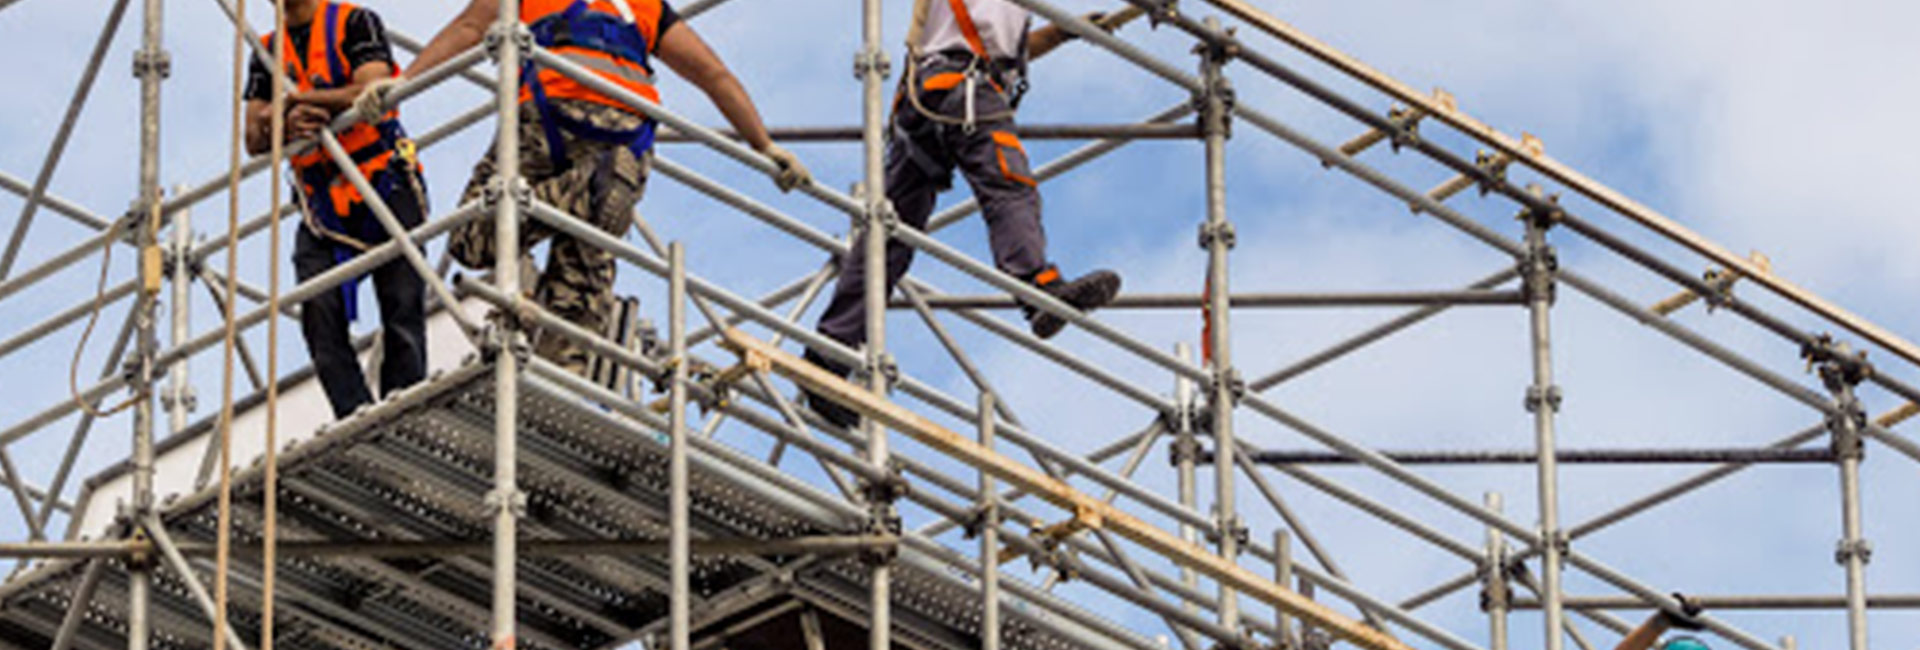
(402, 295)
(323, 322)
(994, 162)
(917, 171)
(472, 243)
(602, 189)
(912, 186)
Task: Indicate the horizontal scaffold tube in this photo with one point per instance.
(1575, 456)
(1195, 301)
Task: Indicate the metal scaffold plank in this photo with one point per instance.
(1093, 512)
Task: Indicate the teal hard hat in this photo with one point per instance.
(1684, 643)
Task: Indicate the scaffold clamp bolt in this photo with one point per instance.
(1548, 396)
(152, 62)
(513, 501)
(868, 61)
(1223, 232)
(1847, 550)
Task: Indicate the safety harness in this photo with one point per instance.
(605, 43)
(381, 150)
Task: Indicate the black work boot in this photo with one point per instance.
(827, 409)
(1085, 293)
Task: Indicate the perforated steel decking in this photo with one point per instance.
(418, 468)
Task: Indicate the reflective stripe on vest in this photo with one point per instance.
(596, 51)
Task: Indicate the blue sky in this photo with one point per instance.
(1767, 125)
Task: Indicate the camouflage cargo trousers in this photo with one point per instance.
(600, 183)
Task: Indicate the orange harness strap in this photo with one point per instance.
(968, 29)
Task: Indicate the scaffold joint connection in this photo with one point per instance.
(870, 61)
(152, 62)
(1538, 397)
(1848, 549)
(1223, 232)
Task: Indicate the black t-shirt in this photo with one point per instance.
(364, 42)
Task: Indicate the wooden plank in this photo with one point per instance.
(1554, 169)
(1089, 511)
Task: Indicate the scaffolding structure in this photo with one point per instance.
(506, 502)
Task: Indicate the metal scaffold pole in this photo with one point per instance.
(509, 191)
(1543, 402)
(1841, 370)
(871, 65)
(989, 537)
(152, 66)
(1217, 237)
(1495, 580)
(1184, 451)
(680, 538)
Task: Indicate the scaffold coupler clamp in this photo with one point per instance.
(1539, 264)
(511, 501)
(1223, 231)
(500, 33)
(1496, 583)
(140, 548)
(1848, 549)
(883, 519)
(1229, 378)
(1547, 397)
(1160, 11)
(871, 60)
(157, 62)
(1185, 449)
(1840, 367)
(980, 517)
(1233, 525)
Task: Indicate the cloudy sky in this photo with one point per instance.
(1768, 125)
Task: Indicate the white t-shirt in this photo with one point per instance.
(1002, 25)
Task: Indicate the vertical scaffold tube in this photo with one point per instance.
(150, 64)
(1846, 425)
(1283, 576)
(1186, 452)
(680, 538)
(989, 537)
(1217, 236)
(1496, 580)
(871, 64)
(1543, 400)
(508, 191)
(179, 393)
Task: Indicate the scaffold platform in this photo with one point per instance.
(410, 476)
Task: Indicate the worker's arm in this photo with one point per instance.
(335, 100)
(259, 126)
(1643, 637)
(466, 31)
(1046, 39)
(302, 122)
(683, 51)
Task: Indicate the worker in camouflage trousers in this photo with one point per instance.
(966, 65)
(583, 151)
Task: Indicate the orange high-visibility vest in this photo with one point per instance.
(372, 146)
(596, 35)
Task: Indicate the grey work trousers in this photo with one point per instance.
(921, 157)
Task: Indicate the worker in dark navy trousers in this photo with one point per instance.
(967, 61)
(332, 50)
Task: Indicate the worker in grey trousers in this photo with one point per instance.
(955, 110)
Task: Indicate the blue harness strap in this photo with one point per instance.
(575, 27)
